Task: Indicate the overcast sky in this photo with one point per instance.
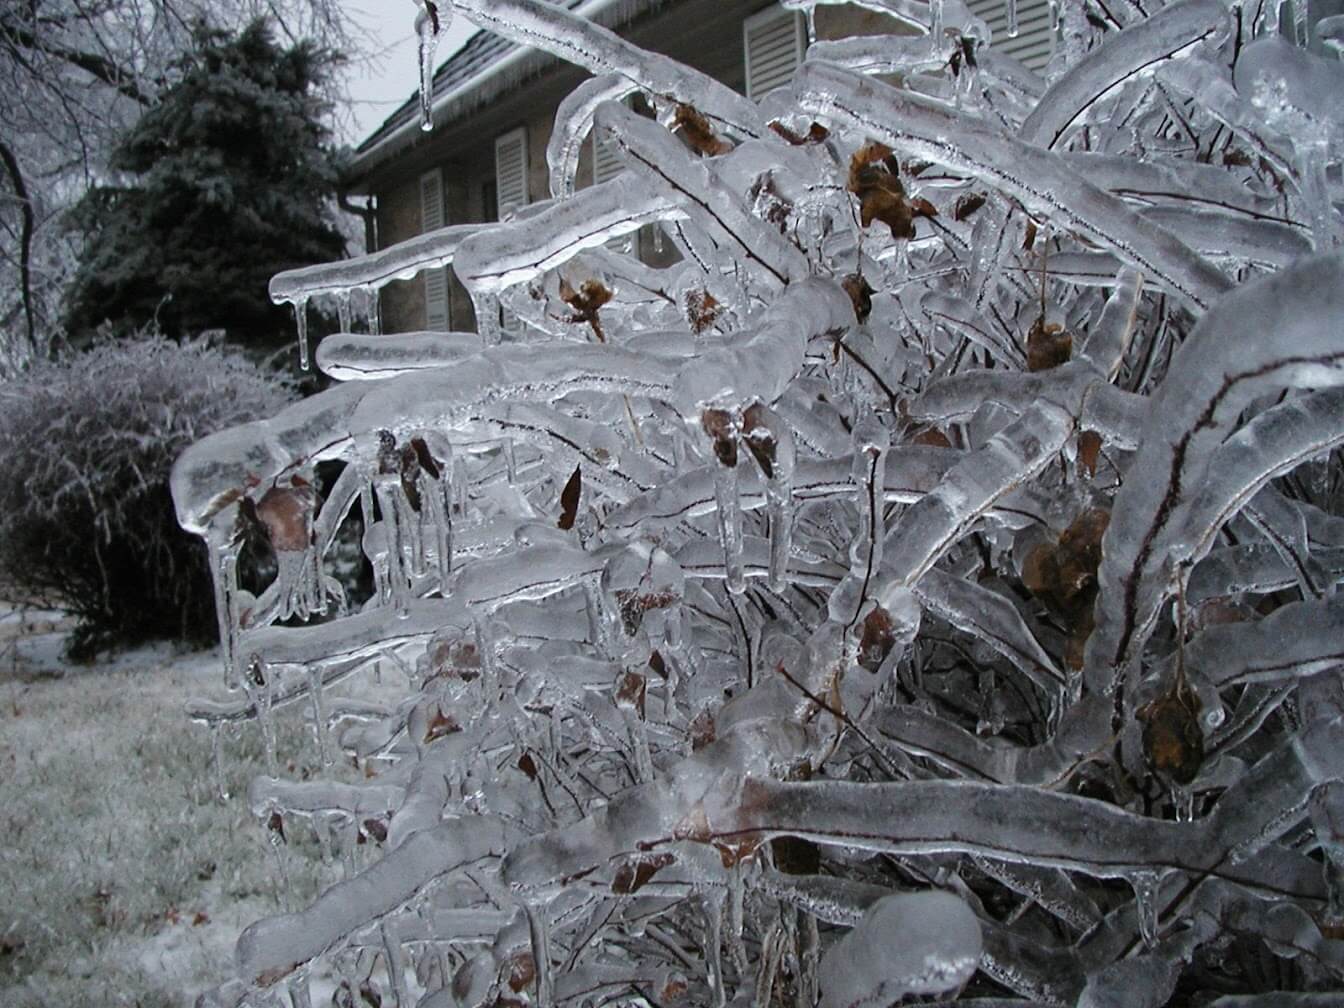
(390, 76)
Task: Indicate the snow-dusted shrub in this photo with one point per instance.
(86, 519)
(955, 514)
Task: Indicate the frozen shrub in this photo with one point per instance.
(955, 514)
(86, 519)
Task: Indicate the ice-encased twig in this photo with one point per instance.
(1009, 822)
(1290, 339)
(516, 251)
(271, 949)
(1120, 56)
(431, 250)
(355, 357)
(602, 52)
(1040, 179)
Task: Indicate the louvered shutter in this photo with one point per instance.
(1035, 39)
(511, 171)
(510, 194)
(606, 159)
(432, 215)
(773, 43)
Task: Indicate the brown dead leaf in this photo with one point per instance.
(1089, 450)
(1048, 345)
(691, 125)
(591, 295)
(881, 195)
(1173, 743)
(816, 133)
(967, 204)
(569, 499)
(630, 691)
(702, 310)
(634, 873)
(860, 295)
(877, 640)
(286, 513)
(440, 724)
(718, 424)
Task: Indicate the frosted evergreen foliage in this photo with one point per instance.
(926, 586)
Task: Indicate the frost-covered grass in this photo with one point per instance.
(123, 880)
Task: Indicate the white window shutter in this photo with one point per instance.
(773, 42)
(432, 216)
(606, 159)
(1035, 39)
(510, 195)
(511, 171)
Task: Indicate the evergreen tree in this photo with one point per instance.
(231, 174)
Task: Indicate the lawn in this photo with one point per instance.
(124, 880)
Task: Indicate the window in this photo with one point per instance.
(432, 216)
(1035, 39)
(773, 42)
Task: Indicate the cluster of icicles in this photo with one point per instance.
(925, 586)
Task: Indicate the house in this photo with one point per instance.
(494, 105)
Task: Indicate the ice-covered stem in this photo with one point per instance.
(1041, 180)
(273, 948)
(431, 250)
(335, 423)
(602, 52)
(1274, 333)
(1120, 57)
(519, 250)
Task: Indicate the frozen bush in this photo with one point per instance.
(956, 514)
(86, 519)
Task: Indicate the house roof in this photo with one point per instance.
(486, 67)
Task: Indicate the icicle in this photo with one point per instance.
(224, 577)
(319, 713)
(712, 907)
(486, 307)
(300, 995)
(936, 23)
(1054, 16)
(371, 309)
(770, 440)
(809, 959)
(727, 496)
(1183, 798)
(599, 619)
(868, 475)
(343, 310)
(427, 29)
(1144, 884)
(658, 239)
(301, 325)
(736, 898)
(398, 576)
(396, 964)
(275, 835)
(510, 461)
(538, 929)
(1011, 6)
(257, 685)
(217, 759)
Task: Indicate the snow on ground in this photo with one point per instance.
(123, 879)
